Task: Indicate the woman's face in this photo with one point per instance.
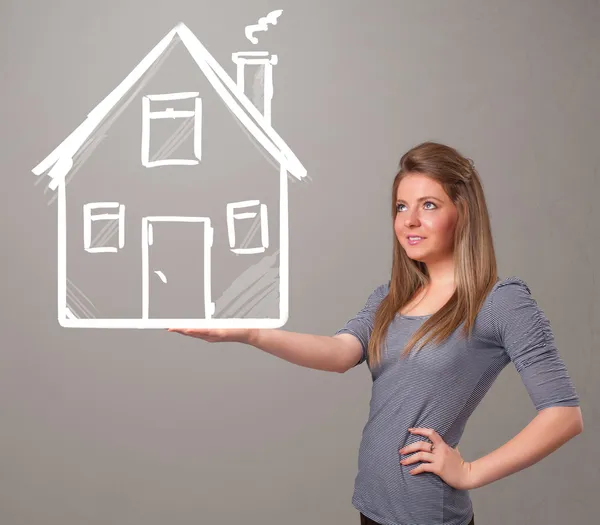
(424, 209)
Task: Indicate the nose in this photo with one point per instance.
(411, 219)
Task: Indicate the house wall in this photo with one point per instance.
(233, 167)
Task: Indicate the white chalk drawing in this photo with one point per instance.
(161, 276)
(148, 240)
(105, 222)
(267, 62)
(262, 25)
(170, 113)
(264, 225)
(89, 218)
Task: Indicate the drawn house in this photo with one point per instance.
(178, 213)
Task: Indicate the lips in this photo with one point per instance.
(415, 241)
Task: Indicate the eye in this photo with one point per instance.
(425, 203)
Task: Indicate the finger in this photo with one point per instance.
(430, 433)
(419, 456)
(418, 430)
(423, 467)
(419, 445)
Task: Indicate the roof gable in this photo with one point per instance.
(227, 89)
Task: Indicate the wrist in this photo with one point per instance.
(473, 482)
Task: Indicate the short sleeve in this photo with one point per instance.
(361, 325)
(526, 335)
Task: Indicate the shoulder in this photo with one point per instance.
(510, 292)
(502, 303)
(379, 293)
(382, 289)
(514, 312)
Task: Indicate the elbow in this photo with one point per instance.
(580, 425)
(569, 418)
(577, 426)
(578, 420)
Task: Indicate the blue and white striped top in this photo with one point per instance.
(439, 387)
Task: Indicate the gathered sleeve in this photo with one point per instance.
(525, 333)
(361, 325)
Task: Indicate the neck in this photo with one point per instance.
(441, 273)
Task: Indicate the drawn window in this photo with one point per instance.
(244, 227)
(171, 129)
(103, 230)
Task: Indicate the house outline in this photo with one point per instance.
(60, 161)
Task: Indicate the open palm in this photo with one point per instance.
(217, 335)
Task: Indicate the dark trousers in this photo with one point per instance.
(368, 521)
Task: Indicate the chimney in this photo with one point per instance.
(255, 78)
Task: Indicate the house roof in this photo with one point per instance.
(227, 89)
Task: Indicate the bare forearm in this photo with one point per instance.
(546, 432)
(311, 351)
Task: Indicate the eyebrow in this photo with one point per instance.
(422, 199)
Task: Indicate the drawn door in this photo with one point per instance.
(176, 253)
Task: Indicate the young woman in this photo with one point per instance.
(435, 337)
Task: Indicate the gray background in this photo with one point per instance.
(148, 427)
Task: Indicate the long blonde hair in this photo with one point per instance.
(475, 271)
